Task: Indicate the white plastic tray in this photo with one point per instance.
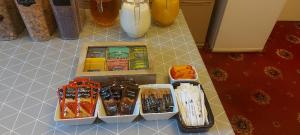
(158, 116)
(75, 121)
(172, 80)
(119, 118)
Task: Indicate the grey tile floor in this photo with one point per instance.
(30, 72)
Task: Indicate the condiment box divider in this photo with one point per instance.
(158, 116)
(119, 118)
(75, 121)
(144, 76)
(195, 129)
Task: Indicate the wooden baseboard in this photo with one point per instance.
(237, 49)
(289, 19)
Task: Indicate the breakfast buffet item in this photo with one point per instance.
(78, 99)
(95, 59)
(105, 12)
(138, 58)
(135, 17)
(119, 97)
(157, 100)
(164, 12)
(120, 67)
(117, 64)
(103, 61)
(183, 72)
(11, 24)
(68, 18)
(120, 52)
(96, 52)
(191, 104)
(116, 58)
(95, 64)
(38, 18)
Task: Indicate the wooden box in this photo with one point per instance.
(38, 18)
(143, 76)
(11, 24)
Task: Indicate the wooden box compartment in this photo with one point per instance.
(141, 76)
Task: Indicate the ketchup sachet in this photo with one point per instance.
(78, 99)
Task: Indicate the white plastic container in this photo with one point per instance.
(75, 121)
(135, 17)
(172, 80)
(118, 118)
(158, 116)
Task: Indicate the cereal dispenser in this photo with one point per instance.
(67, 14)
(38, 18)
(11, 24)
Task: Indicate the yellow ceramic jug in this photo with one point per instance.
(164, 12)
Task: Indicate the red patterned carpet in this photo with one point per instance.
(261, 91)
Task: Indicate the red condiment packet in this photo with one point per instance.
(69, 104)
(85, 95)
(78, 98)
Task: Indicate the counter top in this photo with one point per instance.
(30, 72)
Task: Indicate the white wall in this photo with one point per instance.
(291, 11)
(246, 25)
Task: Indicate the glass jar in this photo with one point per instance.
(164, 12)
(105, 12)
(135, 17)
